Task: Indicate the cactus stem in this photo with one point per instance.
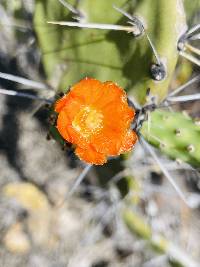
(157, 70)
(178, 132)
(162, 145)
(139, 24)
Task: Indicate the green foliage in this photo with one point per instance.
(109, 55)
(175, 134)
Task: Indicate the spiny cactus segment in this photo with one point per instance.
(110, 55)
(175, 134)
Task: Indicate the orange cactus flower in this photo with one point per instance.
(96, 118)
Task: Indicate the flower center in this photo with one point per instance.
(88, 121)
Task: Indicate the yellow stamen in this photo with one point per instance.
(88, 121)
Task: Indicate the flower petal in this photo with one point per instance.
(62, 125)
(117, 119)
(72, 106)
(111, 92)
(77, 138)
(60, 103)
(89, 90)
(108, 142)
(118, 116)
(91, 156)
(128, 141)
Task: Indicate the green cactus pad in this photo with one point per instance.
(175, 134)
(111, 55)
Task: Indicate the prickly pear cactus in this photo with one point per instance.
(175, 134)
(108, 55)
(81, 52)
(70, 54)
